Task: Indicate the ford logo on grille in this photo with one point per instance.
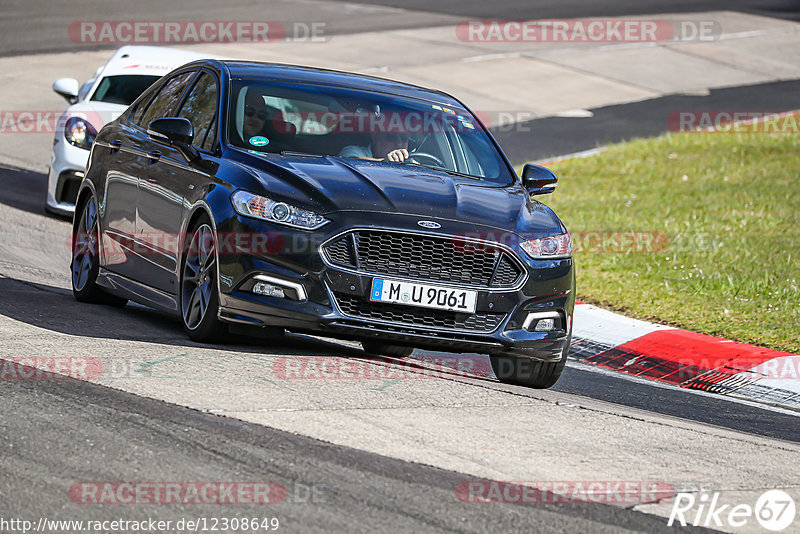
(429, 224)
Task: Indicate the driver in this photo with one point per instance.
(384, 145)
(255, 115)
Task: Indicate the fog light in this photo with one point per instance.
(263, 288)
(276, 287)
(546, 321)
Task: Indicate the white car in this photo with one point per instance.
(130, 71)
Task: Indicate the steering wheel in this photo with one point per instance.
(424, 155)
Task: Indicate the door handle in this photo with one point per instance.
(115, 145)
(154, 155)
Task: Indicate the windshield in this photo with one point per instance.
(122, 89)
(280, 118)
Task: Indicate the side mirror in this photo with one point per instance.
(538, 180)
(68, 88)
(175, 131)
(171, 130)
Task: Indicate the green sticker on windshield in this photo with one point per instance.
(259, 141)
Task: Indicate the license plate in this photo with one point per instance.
(423, 295)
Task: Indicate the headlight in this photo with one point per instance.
(555, 246)
(80, 133)
(267, 209)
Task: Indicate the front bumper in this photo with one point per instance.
(337, 300)
(67, 165)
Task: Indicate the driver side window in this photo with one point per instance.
(200, 108)
(164, 101)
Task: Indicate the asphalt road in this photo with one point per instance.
(28, 27)
(64, 431)
(555, 136)
(545, 9)
(35, 26)
(160, 427)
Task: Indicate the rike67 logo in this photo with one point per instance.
(774, 510)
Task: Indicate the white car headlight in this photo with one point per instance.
(266, 209)
(80, 133)
(556, 246)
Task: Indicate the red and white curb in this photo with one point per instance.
(680, 357)
(685, 359)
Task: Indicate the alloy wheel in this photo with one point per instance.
(84, 251)
(198, 276)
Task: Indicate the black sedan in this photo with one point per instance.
(300, 199)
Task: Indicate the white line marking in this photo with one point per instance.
(491, 57)
(581, 154)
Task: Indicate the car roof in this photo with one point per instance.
(149, 60)
(318, 76)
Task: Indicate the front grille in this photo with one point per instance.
(506, 274)
(340, 252)
(424, 257)
(413, 316)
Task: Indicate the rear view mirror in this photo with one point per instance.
(68, 88)
(538, 180)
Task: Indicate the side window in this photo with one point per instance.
(141, 107)
(211, 136)
(165, 99)
(200, 108)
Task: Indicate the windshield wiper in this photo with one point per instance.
(448, 171)
(302, 154)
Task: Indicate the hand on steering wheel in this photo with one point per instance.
(430, 157)
(399, 155)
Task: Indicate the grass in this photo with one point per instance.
(717, 217)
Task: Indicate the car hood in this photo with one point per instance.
(330, 184)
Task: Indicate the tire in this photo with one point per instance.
(85, 264)
(524, 371)
(382, 349)
(199, 293)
